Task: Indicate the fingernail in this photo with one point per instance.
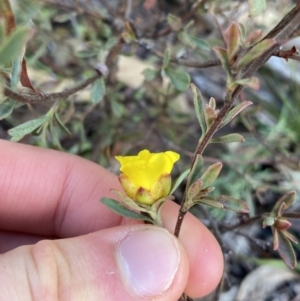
(148, 260)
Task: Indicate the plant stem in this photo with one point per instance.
(39, 98)
(284, 29)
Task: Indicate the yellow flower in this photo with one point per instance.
(146, 177)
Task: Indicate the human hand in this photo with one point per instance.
(71, 247)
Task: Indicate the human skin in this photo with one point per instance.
(58, 242)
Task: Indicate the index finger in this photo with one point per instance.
(47, 192)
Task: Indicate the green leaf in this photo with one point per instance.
(200, 43)
(192, 41)
(254, 37)
(55, 135)
(179, 79)
(286, 251)
(242, 33)
(223, 57)
(166, 60)
(13, 45)
(232, 37)
(287, 198)
(228, 139)
(210, 201)
(233, 204)
(194, 189)
(179, 180)
(117, 108)
(209, 115)
(27, 127)
(196, 170)
(6, 108)
(234, 112)
(212, 103)
(61, 125)
(98, 91)
(149, 74)
(15, 74)
(211, 174)
(255, 52)
(174, 22)
(199, 108)
(122, 210)
(256, 7)
(129, 34)
(251, 82)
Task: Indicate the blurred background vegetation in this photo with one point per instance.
(148, 52)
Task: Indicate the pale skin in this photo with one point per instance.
(58, 242)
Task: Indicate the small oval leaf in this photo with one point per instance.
(98, 91)
(27, 127)
(211, 174)
(6, 108)
(149, 74)
(234, 112)
(233, 204)
(12, 46)
(233, 41)
(228, 139)
(223, 57)
(179, 79)
(255, 52)
(286, 251)
(210, 201)
(287, 198)
(194, 189)
(199, 107)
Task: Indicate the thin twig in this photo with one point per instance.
(39, 98)
(242, 223)
(196, 64)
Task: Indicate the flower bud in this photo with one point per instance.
(282, 224)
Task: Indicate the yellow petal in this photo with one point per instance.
(162, 187)
(128, 186)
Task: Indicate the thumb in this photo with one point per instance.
(137, 262)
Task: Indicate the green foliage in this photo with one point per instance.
(6, 108)
(122, 210)
(255, 52)
(12, 45)
(228, 139)
(179, 79)
(98, 91)
(31, 126)
(199, 108)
